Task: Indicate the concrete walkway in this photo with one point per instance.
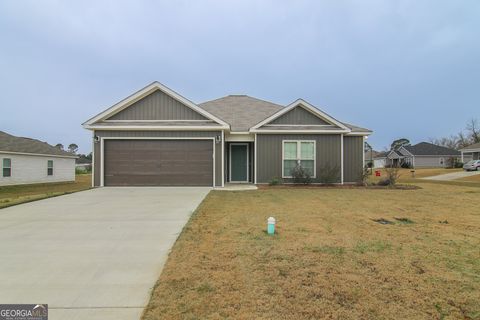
(94, 254)
(453, 175)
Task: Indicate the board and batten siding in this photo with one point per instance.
(352, 158)
(299, 116)
(158, 134)
(269, 154)
(27, 169)
(157, 106)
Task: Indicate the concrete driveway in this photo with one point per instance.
(453, 175)
(94, 254)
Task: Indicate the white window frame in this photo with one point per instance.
(53, 170)
(299, 152)
(3, 167)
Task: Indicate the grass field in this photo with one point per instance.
(11, 195)
(329, 258)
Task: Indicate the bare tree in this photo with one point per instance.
(473, 129)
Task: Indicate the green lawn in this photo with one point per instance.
(11, 195)
(330, 259)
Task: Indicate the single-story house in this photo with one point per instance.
(379, 159)
(472, 152)
(156, 137)
(422, 155)
(26, 161)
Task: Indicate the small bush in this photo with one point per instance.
(406, 165)
(458, 164)
(275, 181)
(363, 178)
(383, 182)
(391, 178)
(328, 174)
(370, 164)
(301, 176)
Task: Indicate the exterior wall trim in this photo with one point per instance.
(341, 160)
(158, 128)
(37, 154)
(299, 131)
(154, 121)
(102, 150)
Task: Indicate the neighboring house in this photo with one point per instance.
(422, 155)
(472, 152)
(26, 161)
(157, 137)
(378, 158)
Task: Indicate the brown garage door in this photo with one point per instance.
(158, 162)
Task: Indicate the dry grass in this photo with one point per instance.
(406, 174)
(12, 195)
(475, 178)
(329, 259)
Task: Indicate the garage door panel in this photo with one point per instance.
(158, 162)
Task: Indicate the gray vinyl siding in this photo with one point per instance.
(269, 154)
(149, 134)
(431, 161)
(157, 106)
(299, 116)
(352, 158)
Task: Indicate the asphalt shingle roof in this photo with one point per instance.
(243, 112)
(240, 111)
(430, 149)
(28, 145)
(472, 146)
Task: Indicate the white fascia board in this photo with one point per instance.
(163, 128)
(470, 150)
(403, 149)
(308, 107)
(144, 92)
(299, 131)
(38, 154)
(352, 133)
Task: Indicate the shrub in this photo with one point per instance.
(406, 165)
(391, 178)
(370, 164)
(274, 181)
(362, 179)
(458, 164)
(301, 176)
(328, 174)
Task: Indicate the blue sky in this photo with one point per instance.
(401, 68)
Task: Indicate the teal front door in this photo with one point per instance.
(239, 162)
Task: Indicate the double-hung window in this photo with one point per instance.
(50, 168)
(7, 167)
(298, 153)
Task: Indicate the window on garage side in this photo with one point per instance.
(302, 153)
(50, 168)
(7, 167)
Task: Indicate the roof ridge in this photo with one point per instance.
(243, 95)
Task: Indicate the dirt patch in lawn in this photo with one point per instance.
(12, 195)
(329, 258)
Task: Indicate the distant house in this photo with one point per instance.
(471, 152)
(422, 155)
(26, 161)
(377, 158)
